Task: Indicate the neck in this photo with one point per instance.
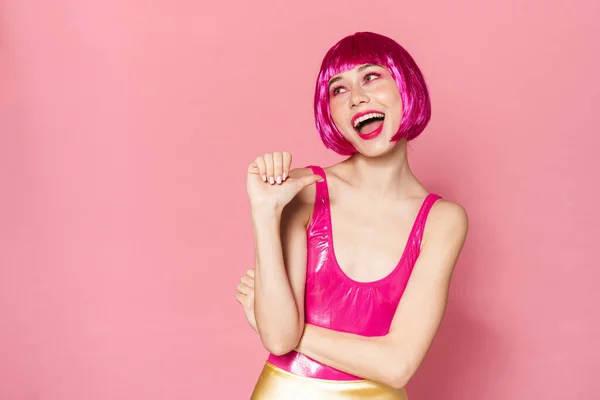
(388, 175)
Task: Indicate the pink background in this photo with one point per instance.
(126, 129)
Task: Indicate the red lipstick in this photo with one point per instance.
(370, 135)
(360, 114)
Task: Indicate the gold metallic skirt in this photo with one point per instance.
(277, 384)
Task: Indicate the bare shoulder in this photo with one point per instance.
(447, 219)
(443, 239)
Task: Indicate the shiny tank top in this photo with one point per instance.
(335, 301)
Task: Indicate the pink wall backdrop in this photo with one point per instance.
(125, 131)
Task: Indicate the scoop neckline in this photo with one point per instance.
(336, 263)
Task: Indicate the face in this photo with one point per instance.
(366, 108)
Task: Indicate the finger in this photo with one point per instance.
(253, 168)
(244, 289)
(245, 302)
(262, 168)
(269, 164)
(287, 162)
(250, 272)
(278, 166)
(307, 180)
(248, 281)
(241, 298)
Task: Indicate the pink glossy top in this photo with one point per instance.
(335, 301)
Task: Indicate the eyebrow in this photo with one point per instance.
(360, 69)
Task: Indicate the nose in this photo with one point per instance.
(358, 97)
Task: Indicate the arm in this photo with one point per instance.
(280, 272)
(394, 358)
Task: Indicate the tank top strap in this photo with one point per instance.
(419, 227)
(322, 192)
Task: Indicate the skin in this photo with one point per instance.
(375, 198)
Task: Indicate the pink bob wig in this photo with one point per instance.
(371, 48)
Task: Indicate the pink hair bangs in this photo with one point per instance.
(371, 48)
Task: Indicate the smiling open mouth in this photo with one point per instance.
(369, 123)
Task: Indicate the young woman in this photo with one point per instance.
(353, 263)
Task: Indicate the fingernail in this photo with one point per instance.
(284, 176)
(279, 180)
(271, 180)
(264, 177)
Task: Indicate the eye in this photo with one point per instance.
(371, 76)
(337, 90)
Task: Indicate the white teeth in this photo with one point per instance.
(367, 116)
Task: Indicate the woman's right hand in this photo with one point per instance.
(245, 296)
(268, 182)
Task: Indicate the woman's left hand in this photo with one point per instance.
(245, 296)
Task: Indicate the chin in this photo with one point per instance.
(376, 148)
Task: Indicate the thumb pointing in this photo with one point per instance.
(308, 180)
